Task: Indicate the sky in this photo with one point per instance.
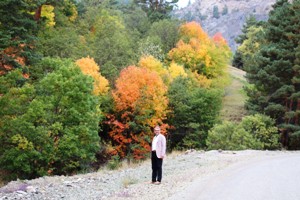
(183, 3)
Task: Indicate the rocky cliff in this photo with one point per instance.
(225, 16)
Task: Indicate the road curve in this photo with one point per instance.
(275, 178)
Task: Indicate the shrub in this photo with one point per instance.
(262, 128)
(114, 162)
(231, 136)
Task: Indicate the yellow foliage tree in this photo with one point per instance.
(47, 12)
(200, 54)
(151, 63)
(201, 80)
(176, 70)
(89, 67)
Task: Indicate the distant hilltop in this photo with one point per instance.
(225, 16)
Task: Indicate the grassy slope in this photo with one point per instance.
(234, 99)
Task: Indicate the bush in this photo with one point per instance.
(231, 136)
(114, 163)
(262, 128)
(254, 132)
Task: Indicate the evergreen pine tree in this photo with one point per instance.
(157, 9)
(275, 72)
(17, 33)
(216, 13)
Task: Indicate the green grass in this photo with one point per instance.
(234, 100)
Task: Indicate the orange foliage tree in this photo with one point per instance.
(89, 67)
(140, 103)
(153, 64)
(193, 30)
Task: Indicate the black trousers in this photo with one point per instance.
(156, 167)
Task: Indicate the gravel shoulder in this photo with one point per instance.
(179, 172)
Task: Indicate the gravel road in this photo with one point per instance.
(265, 178)
(181, 175)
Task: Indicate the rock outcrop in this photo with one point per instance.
(225, 16)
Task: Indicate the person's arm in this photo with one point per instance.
(163, 149)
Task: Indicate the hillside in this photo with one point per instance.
(225, 16)
(234, 99)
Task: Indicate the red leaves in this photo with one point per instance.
(218, 39)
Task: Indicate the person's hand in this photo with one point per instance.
(162, 157)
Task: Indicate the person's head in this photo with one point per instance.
(157, 130)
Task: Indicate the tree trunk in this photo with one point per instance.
(37, 14)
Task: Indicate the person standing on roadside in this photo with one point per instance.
(158, 153)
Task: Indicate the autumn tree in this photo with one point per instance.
(152, 64)
(176, 70)
(251, 22)
(192, 30)
(89, 67)
(140, 103)
(198, 53)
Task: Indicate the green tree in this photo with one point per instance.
(216, 13)
(51, 126)
(151, 46)
(250, 21)
(157, 9)
(274, 72)
(167, 31)
(225, 10)
(109, 42)
(194, 111)
(136, 20)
